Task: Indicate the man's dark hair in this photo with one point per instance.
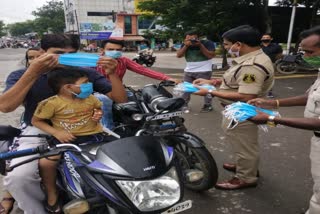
(191, 32)
(245, 34)
(66, 75)
(113, 41)
(267, 34)
(60, 41)
(310, 32)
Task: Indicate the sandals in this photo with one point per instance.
(52, 209)
(7, 210)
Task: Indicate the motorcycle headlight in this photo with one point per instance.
(152, 195)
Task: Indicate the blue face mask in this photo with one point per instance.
(86, 89)
(113, 54)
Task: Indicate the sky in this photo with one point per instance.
(20, 10)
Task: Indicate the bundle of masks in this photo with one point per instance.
(187, 87)
(239, 112)
(85, 59)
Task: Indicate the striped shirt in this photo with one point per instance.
(126, 63)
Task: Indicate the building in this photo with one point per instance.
(98, 19)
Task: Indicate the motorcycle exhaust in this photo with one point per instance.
(76, 206)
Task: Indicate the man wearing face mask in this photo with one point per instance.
(250, 76)
(198, 54)
(273, 50)
(310, 44)
(113, 48)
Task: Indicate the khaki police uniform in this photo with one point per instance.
(312, 110)
(250, 74)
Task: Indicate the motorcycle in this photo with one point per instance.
(145, 57)
(153, 111)
(291, 64)
(129, 175)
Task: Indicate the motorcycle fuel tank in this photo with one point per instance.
(140, 157)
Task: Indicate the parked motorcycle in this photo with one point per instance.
(145, 57)
(153, 111)
(138, 174)
(291, 64)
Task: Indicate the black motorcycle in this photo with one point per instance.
(130, 175)
(145, 57)
(293, 63)
(153, 111)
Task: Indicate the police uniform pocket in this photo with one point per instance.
(314, 102)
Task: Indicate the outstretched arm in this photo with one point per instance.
(14, 97)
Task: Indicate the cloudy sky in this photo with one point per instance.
(20, 10)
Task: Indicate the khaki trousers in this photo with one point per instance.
(244, 141)
(314, 206)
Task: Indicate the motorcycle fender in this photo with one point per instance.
(189, 139)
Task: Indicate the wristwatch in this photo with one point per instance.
(271, 122)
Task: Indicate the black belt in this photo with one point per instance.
(317, 134)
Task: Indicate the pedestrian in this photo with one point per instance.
(273, 50)
(250, 76)
(70, 112)
(310, 44)
(198, 54)
(28, 87)
(31, 54)
(113, 48)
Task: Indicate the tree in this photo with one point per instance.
(2, 28)
(50, 17)
(21, 28)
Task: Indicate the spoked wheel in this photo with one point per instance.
(199, 167)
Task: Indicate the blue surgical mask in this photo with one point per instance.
(86, 89)
(113, 54)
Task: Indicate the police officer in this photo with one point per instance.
(310, 44)
(250, 76)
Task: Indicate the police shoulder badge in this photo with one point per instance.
(249, 78)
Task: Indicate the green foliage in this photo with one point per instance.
(50, 18)
(209, 18)
(21, 28)
(2, 28)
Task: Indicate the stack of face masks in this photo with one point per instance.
(187, 87)
(239, 112)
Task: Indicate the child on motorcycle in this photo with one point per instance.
(70, 113)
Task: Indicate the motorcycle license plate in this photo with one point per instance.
(164, 116)
(179, 207)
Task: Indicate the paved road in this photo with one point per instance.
(285, 184)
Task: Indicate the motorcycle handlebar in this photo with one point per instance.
(24, 152)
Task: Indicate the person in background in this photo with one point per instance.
(310, 44)
(198, 54)
(113, 49)
(31, 54)
(273, 51)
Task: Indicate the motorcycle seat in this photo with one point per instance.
(8, 132)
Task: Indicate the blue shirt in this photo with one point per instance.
(41, 90)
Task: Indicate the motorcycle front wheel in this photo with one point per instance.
(286, 67)
(199, 167)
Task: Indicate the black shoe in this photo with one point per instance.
(206, 108)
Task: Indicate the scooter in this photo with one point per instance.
(291, 64)
(130, 175)
(145, 57)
